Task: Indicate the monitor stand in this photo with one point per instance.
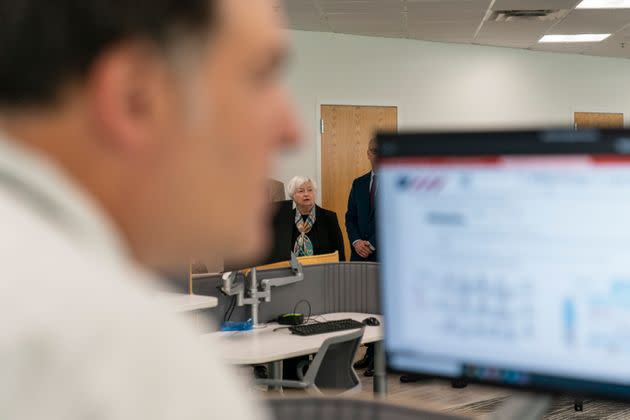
(523, 407)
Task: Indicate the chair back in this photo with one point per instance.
(332, 366)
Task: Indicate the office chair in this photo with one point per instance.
(305, 408)
(331, 368)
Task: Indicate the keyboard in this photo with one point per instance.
(326, 327)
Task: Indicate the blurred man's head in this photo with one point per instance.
(372, 152)
(167, 111)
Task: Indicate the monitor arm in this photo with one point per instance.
(297, 275)
(230, 286)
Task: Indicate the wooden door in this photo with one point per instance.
(598, 120)
(346, 133)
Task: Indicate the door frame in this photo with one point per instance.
(343, 101)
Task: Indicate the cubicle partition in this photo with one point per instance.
(338, 287)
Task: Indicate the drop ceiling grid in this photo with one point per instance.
(459, 21)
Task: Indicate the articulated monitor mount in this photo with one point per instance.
(256, 293)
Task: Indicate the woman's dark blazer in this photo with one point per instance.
(325, 234)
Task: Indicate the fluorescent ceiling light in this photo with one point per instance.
(574, 38)
(604, 4)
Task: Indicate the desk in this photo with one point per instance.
(181, 302)
(264, 346)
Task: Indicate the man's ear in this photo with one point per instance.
(128, 96)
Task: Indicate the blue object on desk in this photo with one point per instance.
(237, 326)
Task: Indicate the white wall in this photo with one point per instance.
(445, 86)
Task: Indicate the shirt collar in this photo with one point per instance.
(37, 183)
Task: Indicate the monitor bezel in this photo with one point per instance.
(505, 143)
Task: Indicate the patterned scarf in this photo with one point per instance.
(303, 245)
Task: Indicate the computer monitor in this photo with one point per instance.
(506, 258)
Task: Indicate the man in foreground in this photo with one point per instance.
(116, 120)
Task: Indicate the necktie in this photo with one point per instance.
(373, 192)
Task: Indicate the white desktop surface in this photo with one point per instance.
(263, 345)
(181, 302)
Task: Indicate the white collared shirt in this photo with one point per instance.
(372, 181)
(82, 334)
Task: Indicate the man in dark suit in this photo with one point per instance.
(361, 228)
(361, 214)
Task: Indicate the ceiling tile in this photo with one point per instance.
(593, 21)
(381, 34)
(534, 4)
(508, 43)
(301, 7)
(364, 24)
(365, 20)
(302, 14)
(561, 48)
(520, 33)
(457, 21)
(373, 16)
(462, 31)
(307, 24)
(616, 46)
(502, 42)
(360, 6)
(447, 10)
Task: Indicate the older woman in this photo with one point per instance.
(302, 227)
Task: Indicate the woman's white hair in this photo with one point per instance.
(296, 182)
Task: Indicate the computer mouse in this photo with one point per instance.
(372, 322)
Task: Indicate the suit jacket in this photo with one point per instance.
(360, 217)
(325, 235)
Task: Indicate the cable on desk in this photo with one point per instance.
(308, 317)
(230, 310)
(280, 328)
(319, 316)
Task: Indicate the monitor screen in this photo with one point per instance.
(508, 262)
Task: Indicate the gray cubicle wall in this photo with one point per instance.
(339, 287)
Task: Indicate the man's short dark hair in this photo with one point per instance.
(47, 43)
